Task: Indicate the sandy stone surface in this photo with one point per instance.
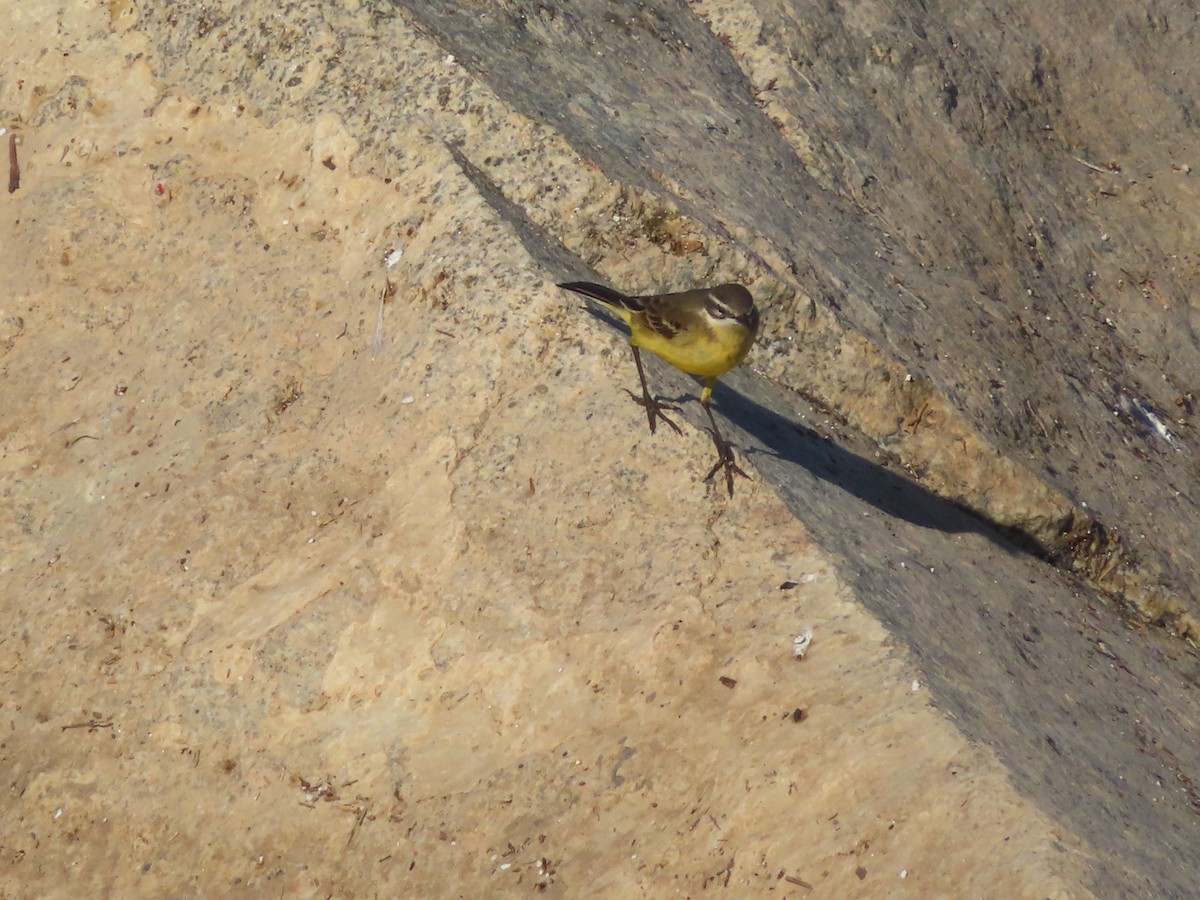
(324, 578)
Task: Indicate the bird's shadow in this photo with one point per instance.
(778, 442)
(767, 415)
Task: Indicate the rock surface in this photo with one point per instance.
(338, 562)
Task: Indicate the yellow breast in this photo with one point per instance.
(708, 349)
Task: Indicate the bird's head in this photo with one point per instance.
(732, 302)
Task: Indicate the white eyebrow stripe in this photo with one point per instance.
(711, 297)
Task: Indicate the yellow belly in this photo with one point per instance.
(709, 353)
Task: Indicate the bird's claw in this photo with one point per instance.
(725, 461)
(654, 410)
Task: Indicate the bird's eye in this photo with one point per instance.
(717, 312)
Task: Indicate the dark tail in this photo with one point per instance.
(604, 294)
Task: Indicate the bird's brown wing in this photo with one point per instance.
(651, 311)
(658, 317)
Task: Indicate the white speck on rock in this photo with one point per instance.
(800, 643)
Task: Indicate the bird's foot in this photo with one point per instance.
(654, 410)
(726, 461)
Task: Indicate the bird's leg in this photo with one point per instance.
(654, 409)
(725, 458)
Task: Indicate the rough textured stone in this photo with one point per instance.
(338, 562)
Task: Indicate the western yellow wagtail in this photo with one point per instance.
(704, 332)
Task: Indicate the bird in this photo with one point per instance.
(704, 332)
